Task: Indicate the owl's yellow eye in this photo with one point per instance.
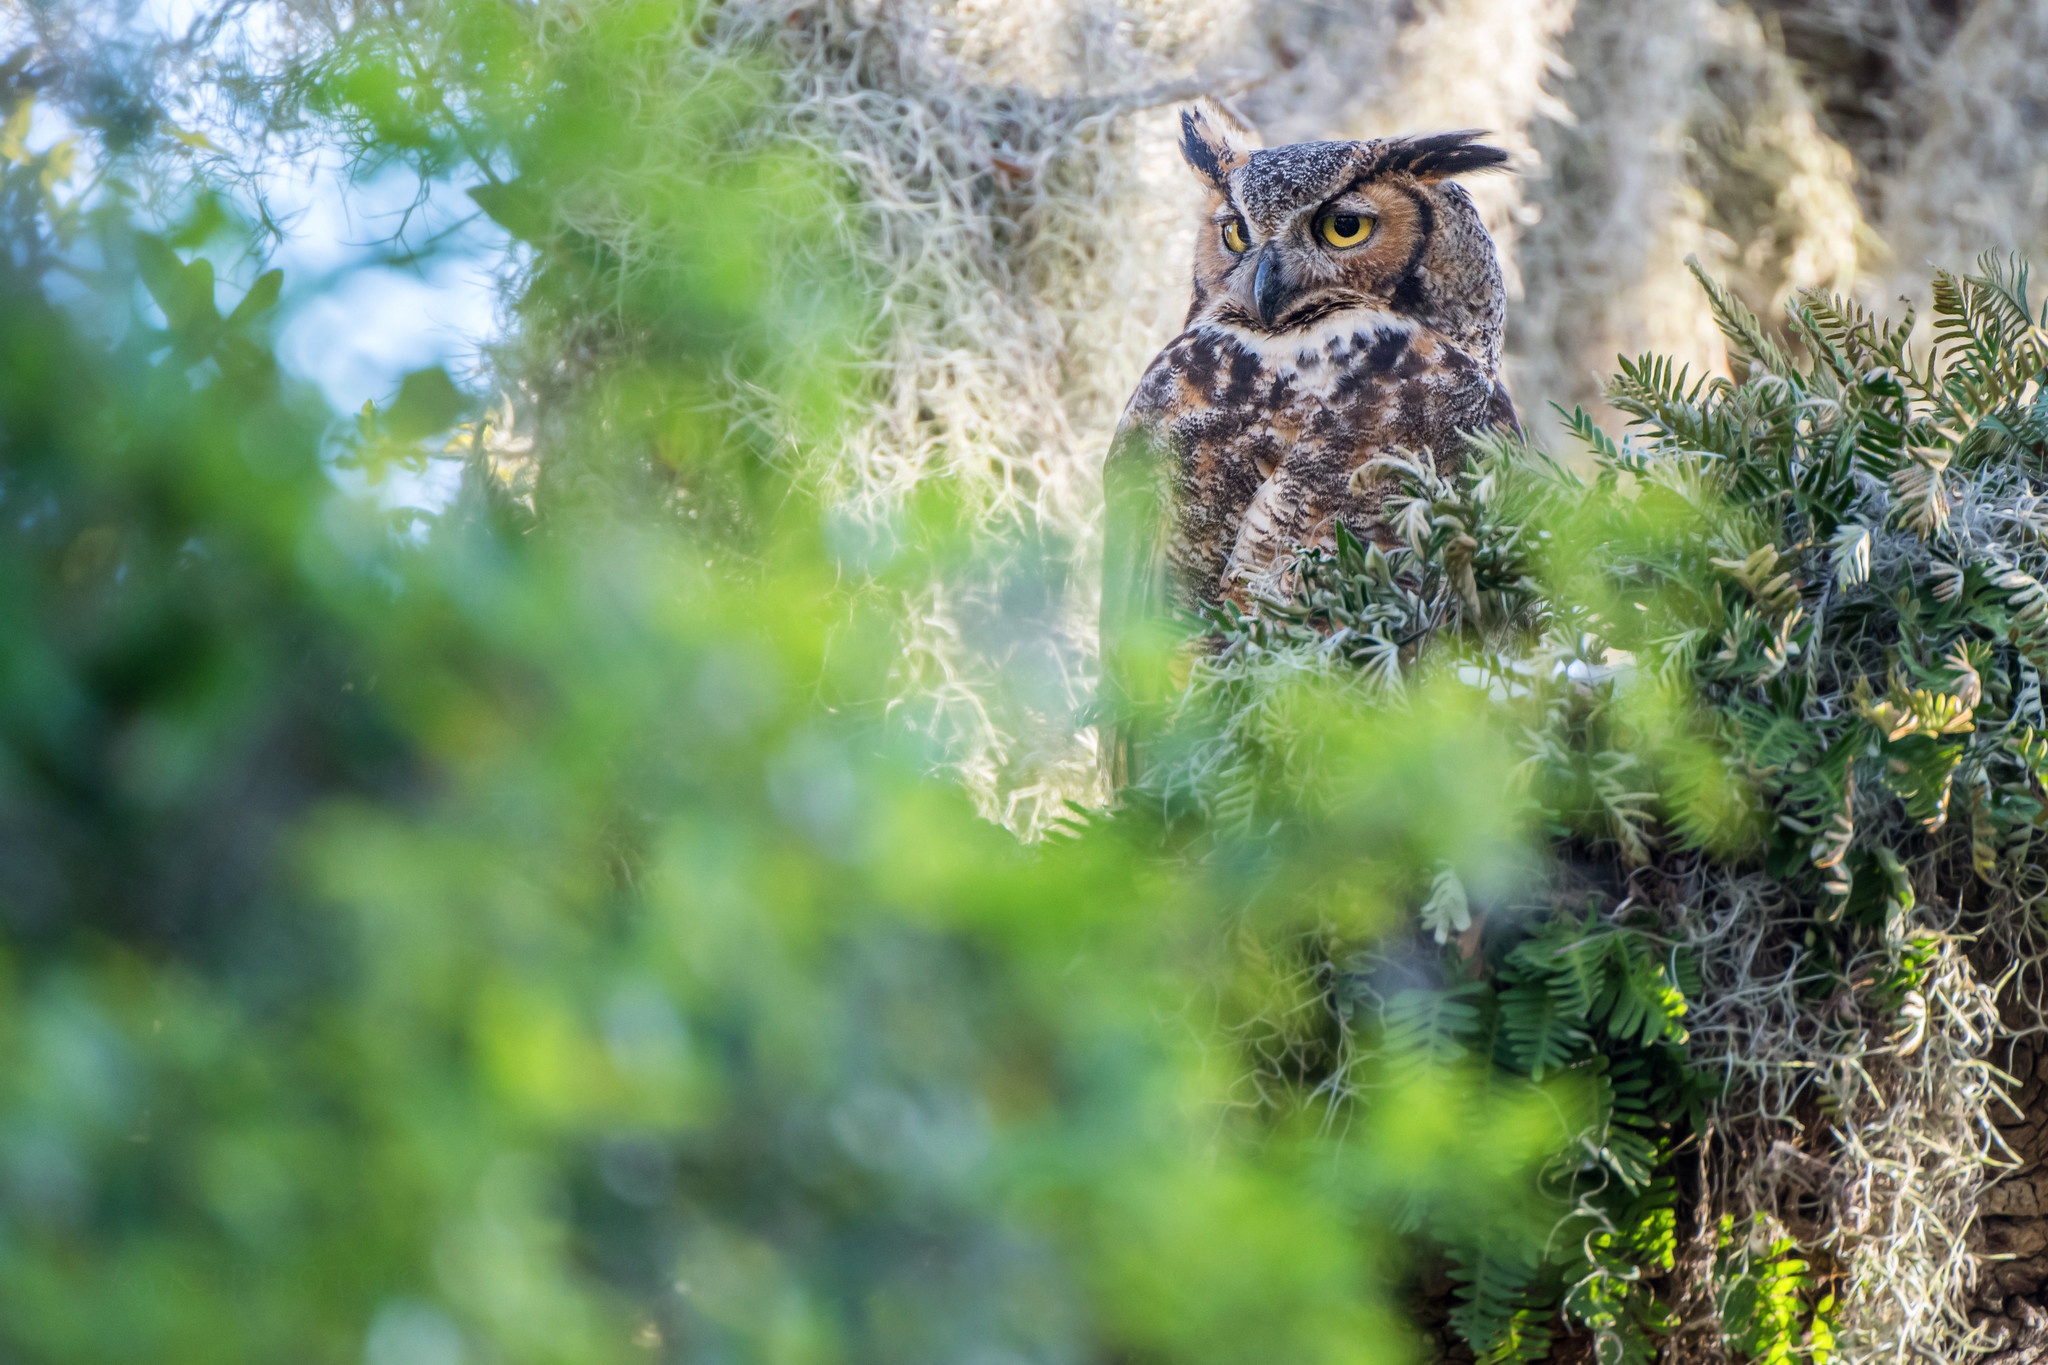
(1233, 236)
(1345, 229)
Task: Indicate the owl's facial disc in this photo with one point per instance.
(1300, 267)
(1299, 237)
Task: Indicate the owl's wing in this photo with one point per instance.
(1137, 588)
(1501, 409)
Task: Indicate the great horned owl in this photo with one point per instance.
(1347, 304)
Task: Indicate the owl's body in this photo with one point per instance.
(1260, 443)
(1347, 305)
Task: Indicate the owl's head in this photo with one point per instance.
(1296, 235)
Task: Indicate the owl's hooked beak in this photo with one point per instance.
(1269, 285)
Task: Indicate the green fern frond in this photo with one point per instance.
(1771, 1311)
(1496, 1313)
(1747, 339)
(1434, 1028)
(1541, 1037)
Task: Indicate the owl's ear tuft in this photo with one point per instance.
(1433, 156)
(1214, 142)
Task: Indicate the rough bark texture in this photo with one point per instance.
(2011, 1235)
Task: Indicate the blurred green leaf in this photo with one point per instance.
(261, 298)
(512, 206)
(427, 404)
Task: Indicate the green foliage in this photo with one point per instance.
(522, 934)
(686, 304)
(1460, 569)
(1600, 1007)
(1493, 1313)
(1435, 1028)
(1792, 622)
(1772, 1311)
(1871, 629)
(527, 937)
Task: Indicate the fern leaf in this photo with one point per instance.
(1541, 1037)
(1746, 336)
(1433, 1027)
(1494, 1314)
(1640, 1003)
(1849, 554)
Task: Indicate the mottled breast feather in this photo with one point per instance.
(1259, 437)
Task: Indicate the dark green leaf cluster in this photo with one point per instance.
(1853, 592)
(1596, 1008)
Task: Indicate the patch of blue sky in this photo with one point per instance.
(383, 274)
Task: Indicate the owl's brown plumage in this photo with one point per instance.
(1347, 304)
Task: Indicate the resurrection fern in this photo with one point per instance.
(1435, 1028)
(1771, 1308)
(1775, 656)
(1499, 1313)
(1596, 1008)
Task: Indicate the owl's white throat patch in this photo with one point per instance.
(1316, 355)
